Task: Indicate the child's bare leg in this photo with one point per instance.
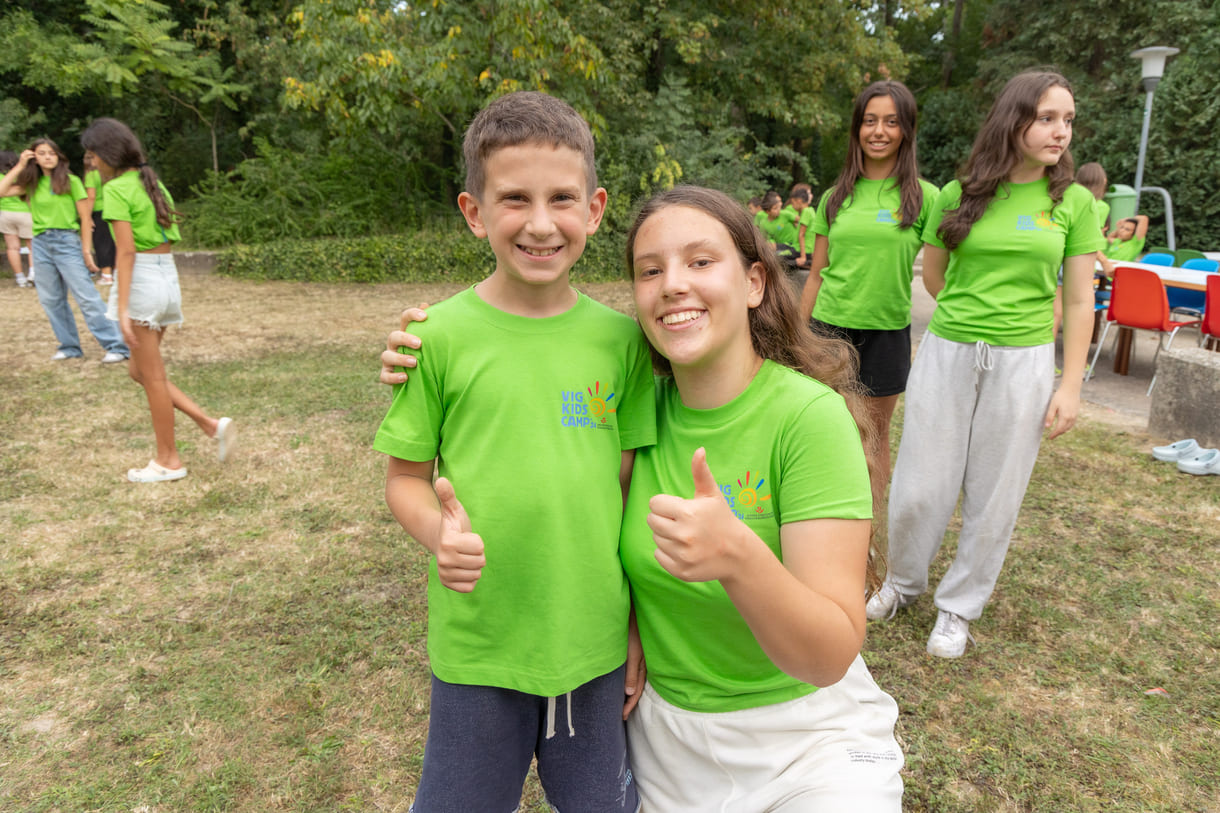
(181, 401)
(12, 247)
(147, 367)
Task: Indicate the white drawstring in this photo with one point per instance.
(550, 716)
(982, 356)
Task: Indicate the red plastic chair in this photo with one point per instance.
(1209, 329)
(1138, 301)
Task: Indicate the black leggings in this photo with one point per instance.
(103, 243)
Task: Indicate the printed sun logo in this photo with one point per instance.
(599, 407)
(747, 495)
(1044, 221)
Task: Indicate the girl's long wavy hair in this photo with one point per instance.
(29, 176)
(776, 329)
(113, 141)
(997, 152)
(906, 171)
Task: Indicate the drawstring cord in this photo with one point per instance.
(983, 359)
(550, 716)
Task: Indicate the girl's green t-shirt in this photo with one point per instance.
(782, 229)
(51, 211)
(783, 451)
(127, 200)
(93, 180)
(867, 285)
(1000, 283)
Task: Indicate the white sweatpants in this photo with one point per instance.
(972, 425)
(832, 751)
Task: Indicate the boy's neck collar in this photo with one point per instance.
(530, 301)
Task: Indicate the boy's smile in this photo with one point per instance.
(537, 213)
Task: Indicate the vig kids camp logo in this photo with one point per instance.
(590, 408)
(886, 216)
(1043, 222)
(748, 501)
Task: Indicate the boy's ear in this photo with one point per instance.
(469, 205)
(597, 208)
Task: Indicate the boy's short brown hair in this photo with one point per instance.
(526, 117)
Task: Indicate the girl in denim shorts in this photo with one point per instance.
(146, 299)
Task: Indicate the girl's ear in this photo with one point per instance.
(756, 280)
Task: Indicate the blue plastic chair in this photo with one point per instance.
(1187, 301)
(1156, 258)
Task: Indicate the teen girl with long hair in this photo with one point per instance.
(869, 227)
(62, 235)
(982, 390)
(146, 299)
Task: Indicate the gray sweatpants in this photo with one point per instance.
(972, 425)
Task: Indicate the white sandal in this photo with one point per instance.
(154, 472)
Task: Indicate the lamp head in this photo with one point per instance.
(1152, 64)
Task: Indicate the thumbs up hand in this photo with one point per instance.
(696, 538)
(459, 553)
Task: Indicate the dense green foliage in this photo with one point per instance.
(277, 119)
(430, 255)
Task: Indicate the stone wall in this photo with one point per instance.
(1186, 399)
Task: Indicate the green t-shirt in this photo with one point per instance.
(759, 217)
(529, 418)
(51, 211)
(93, 180)
(1125, 250)
(806, 220)
(867, 285)
(14, 203)
(784, 450)
(782, 229)
(1103, 215)
(1000, 283)
(126, 199)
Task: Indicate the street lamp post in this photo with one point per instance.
(1152, 64)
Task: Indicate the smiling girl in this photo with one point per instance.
(869, 227)
(746, 535)
(980, 392)
(62, 234)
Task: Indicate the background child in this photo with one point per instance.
(103, 243)
(146, 299)
(779, 225)
(869, 228)
(63, 229)
(980, 392)
(1125, 242)
(530, 400)
(15, 224)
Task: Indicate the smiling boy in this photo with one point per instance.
(530, 401)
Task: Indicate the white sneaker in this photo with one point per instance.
(113, 357)
(1177, 451)
(949, 636)
(1205, 461)
(226, 438)
(886, 601)
(62, 356)
(22, 280)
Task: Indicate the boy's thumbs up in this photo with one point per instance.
(705, 483)
(459, 552)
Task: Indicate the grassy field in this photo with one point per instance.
(252, 638)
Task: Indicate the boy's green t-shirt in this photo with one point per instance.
(126, 199)
(759, 217)
(783, 228)
(1000, 283)
(1125, 250)
(867, 284)
(1103, 215)
(806, 221)
(529, 418)
(51, 211)
(783, 451)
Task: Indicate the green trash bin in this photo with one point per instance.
(1122, 202)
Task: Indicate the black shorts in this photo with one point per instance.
(885, 356)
